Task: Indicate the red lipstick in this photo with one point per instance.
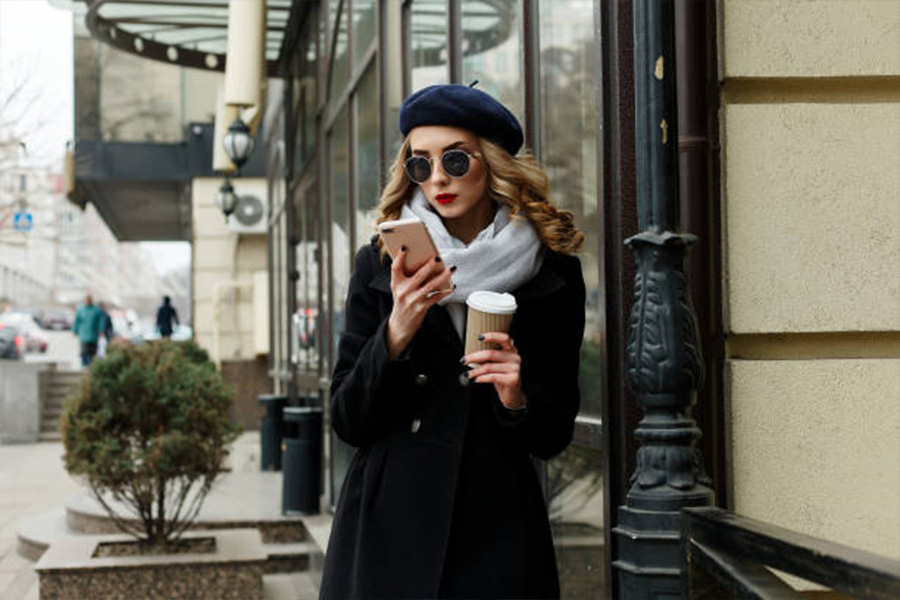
(445, 198)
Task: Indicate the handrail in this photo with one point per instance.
(724, 553)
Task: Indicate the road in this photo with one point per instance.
(62, 347)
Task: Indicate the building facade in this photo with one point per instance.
(791, 338)
(788, 116)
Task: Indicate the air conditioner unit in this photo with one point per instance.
(249, 216)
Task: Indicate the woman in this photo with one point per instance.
(441, 498)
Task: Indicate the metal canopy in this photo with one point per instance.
(189, 33)
(143, 190)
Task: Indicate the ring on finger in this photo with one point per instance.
(434, 293)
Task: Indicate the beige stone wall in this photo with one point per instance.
(810, 127)
(224, 268)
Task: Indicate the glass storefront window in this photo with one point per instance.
(366, 180)
(276, 283)
(363, 28)
(492, 49)
(569, 130)
(339, 188)
(340, 63)
(305, 321)
(305, 98)
(430, 60)
(569, 146)
(284, 367)
(575, 507)
(341, 264)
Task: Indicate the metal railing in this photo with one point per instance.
(726, 556)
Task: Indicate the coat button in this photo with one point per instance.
(421, 380)
(416, 424)
(464, 380)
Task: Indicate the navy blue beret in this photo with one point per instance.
(465, 107)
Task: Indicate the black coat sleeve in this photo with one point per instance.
(366, 386)
(551, 355)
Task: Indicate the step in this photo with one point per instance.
(49, 423)
(289, 586)
(66, 375)
(35, 534)
(50, 436)
(288, 558)
(59, 391)
(51, 411)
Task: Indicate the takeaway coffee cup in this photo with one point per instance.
(488, 311)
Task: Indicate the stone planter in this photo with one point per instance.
(69, 570)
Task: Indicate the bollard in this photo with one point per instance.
(302, 473)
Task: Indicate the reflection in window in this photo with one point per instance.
(339, 190)
(569, 143)
(575, 507)
(569, 150)
(305, 97)
(276, 283)
(283, 317)
(339, 165)
(367, 183)
(429, 21)
(150, 112)
(340, 64)
(363, 28)
(491, 50)
(306, 321)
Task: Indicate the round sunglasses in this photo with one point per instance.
(455, 163)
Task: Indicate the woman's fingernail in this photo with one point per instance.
(480, 337)
(402, 248)
(454, 286)
(462, 360)
(453, 269)
(437, 259)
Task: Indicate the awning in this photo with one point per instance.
(190, 33)
(143, 190)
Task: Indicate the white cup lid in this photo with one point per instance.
(492, 302)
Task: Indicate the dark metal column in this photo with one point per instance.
(663, 365)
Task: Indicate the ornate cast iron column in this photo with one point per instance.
(663, 363)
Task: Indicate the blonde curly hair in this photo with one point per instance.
(519, 182)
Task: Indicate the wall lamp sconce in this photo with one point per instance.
(239, 143)
(227, 199)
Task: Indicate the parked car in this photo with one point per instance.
(11, 343)
(34, 339)
(60, 319)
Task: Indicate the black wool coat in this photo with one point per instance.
(441, 498)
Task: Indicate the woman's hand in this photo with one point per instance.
(502, 367)
(413, 295)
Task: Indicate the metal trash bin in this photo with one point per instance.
(302, 467)
(271, 431)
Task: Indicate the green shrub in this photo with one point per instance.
(149, 428)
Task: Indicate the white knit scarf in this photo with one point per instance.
(503, 256)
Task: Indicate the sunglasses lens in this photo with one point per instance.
(418, 168)
(455, 163)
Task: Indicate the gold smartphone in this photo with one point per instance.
(413, 234)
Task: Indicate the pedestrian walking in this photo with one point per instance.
(165, 316)
(441, 498)
(88, 326)
(108, 332)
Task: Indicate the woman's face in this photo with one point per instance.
(463, 198)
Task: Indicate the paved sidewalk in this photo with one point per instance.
(34, 481)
